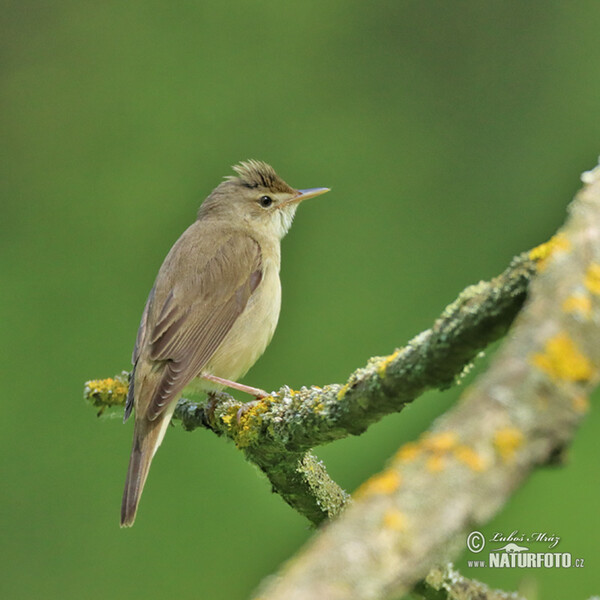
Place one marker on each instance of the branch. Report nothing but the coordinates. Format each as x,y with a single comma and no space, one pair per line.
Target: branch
520,415
487,444
277,432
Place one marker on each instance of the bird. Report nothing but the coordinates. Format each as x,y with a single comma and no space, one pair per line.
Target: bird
212,310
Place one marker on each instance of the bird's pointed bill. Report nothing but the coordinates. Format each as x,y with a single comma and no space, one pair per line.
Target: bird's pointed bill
310,193
305,194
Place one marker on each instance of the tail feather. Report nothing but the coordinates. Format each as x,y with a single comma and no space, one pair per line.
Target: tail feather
147,437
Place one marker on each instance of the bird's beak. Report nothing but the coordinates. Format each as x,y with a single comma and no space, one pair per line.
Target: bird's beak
305,194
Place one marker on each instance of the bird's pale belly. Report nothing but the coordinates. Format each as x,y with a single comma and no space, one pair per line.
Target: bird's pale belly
249,336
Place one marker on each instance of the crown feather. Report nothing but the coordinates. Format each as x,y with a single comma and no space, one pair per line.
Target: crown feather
255,173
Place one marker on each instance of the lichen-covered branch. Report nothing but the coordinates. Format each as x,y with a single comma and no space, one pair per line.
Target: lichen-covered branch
298,477
487,444
277,433
520,414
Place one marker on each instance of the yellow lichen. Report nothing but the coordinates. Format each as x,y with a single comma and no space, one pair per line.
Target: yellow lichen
466,455
408,452
385,363
228,419
106,392
592,278
581,403
507,441
249,421
435,463
107,386
542,253
343,391
393,519
562,360
386,482
578,303
440,442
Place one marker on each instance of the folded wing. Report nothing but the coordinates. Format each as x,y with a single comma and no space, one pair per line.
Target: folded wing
186,319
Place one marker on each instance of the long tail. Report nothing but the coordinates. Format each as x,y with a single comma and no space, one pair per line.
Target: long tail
147,436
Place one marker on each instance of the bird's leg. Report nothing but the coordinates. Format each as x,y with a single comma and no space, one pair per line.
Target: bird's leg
256,392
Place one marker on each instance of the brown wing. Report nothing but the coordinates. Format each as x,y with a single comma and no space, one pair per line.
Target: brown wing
195,302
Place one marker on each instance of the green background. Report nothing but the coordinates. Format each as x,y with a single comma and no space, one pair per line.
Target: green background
452,134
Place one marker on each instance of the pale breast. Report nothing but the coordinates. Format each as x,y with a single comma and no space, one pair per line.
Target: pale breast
252,331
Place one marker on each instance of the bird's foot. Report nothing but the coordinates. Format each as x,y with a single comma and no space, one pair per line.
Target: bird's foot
252,391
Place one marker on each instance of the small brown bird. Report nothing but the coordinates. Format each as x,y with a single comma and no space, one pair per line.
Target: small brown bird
213,308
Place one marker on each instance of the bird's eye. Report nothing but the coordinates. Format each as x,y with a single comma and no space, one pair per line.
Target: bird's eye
265,201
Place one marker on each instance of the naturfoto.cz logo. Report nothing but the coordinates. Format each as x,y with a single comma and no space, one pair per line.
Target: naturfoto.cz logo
515,554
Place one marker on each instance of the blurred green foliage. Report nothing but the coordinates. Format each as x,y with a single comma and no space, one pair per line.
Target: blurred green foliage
452,135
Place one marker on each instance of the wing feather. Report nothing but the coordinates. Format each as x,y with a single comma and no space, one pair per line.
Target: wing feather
198,309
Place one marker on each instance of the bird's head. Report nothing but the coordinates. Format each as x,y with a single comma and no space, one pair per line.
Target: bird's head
256,198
